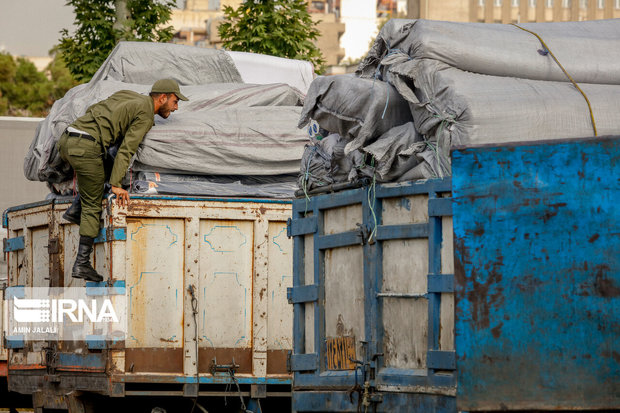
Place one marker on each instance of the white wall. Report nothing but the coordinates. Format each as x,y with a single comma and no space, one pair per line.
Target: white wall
360,19
16,134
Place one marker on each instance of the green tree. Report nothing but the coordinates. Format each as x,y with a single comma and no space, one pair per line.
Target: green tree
101,24
25,91
59,74
281,28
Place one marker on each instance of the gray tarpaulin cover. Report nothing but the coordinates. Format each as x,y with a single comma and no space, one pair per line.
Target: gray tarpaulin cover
227,127
589,51
277,186
469,84
465,108
357,109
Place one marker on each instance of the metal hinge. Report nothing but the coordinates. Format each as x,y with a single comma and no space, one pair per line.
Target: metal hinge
289,368
288,227
53,246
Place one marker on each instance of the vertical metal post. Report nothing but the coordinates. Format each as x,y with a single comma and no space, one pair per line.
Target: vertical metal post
434,267
319,279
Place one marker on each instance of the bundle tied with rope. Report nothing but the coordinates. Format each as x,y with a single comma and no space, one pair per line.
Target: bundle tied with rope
428,86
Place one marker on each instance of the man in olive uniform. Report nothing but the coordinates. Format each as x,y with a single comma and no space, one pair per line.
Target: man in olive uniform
121,120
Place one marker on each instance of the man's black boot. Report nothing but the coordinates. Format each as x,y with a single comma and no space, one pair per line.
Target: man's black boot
82,267
74,212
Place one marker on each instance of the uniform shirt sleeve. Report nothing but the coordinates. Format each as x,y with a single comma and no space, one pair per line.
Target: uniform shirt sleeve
141,124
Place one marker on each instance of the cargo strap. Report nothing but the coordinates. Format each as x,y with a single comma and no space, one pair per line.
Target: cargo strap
547,50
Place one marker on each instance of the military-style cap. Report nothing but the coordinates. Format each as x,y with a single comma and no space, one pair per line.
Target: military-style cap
168,86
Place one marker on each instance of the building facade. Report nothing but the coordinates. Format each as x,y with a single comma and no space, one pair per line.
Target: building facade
513,11
197,25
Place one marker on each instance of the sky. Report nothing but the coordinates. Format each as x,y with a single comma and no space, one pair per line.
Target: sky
32,27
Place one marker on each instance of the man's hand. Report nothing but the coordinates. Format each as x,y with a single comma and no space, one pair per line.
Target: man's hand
122,196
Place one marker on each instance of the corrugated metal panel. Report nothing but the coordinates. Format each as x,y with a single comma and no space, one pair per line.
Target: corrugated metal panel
538,276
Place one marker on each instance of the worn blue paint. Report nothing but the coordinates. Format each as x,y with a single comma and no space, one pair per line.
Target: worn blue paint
302,226
538,275
438,207
280,234
175,236
17,291
74,361
339,401
338,240
224,378
103,288
15,341
441,283
96,342
5,214
116,234
13,244
302,294
408,231
310,373
244,238
191,198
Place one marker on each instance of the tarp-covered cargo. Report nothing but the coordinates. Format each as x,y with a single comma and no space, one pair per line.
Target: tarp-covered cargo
227,128
589,51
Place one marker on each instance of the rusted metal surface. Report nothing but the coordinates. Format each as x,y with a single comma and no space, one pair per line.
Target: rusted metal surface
154,360
277,362
233,253
225,356
538,276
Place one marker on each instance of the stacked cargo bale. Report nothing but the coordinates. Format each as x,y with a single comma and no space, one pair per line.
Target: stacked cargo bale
232,138
474,83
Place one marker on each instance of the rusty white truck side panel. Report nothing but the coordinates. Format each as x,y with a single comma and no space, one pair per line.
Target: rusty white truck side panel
234,256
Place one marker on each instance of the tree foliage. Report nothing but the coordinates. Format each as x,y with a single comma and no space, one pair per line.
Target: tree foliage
25,91
281,28
96,34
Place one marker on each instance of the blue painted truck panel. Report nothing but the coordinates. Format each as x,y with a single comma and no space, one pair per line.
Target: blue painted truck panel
536,279
537,267
319,389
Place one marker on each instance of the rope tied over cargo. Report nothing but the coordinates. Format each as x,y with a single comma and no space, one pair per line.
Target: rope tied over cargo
372,197
444,121
547,50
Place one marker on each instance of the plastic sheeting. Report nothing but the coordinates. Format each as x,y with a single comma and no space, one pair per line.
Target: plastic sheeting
236,141
462,108
278,186
245,128
359,110
144,63
325,163
589,51
43,162
263,69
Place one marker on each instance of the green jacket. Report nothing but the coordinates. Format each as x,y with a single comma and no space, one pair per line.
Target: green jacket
125,117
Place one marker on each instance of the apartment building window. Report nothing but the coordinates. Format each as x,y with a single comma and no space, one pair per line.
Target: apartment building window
498,3
617,4
549,4
601,4
515,3
566,4
532,3
481,3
